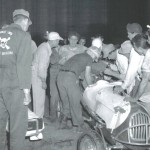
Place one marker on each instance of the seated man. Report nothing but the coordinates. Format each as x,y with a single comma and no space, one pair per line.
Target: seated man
68,84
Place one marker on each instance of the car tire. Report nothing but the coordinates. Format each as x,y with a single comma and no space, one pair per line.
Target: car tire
90,141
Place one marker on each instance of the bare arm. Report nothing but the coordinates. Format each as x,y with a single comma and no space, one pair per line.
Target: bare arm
143,84
115,74
88,76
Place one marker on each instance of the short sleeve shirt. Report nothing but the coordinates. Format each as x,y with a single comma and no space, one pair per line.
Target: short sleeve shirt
78,63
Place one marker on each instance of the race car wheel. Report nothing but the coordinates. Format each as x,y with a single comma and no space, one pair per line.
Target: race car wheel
90,141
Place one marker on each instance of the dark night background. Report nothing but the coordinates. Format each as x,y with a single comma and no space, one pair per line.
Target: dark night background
88,17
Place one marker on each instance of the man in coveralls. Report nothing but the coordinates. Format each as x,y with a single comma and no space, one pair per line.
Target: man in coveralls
68,84
15,76
39,71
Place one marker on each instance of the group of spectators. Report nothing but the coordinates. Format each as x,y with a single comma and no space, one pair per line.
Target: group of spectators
71,68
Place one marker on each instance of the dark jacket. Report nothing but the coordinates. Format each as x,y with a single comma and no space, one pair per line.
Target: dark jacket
15,57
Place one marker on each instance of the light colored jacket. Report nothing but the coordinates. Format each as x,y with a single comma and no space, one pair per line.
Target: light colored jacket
41,60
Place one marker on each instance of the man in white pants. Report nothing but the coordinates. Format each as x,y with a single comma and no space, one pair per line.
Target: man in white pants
39,72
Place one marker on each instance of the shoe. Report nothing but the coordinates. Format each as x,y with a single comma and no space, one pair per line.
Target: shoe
64,124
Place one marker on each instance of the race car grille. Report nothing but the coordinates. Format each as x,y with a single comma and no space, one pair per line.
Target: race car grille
139,127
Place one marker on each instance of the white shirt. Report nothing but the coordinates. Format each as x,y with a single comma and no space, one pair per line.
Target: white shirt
134,68
122,63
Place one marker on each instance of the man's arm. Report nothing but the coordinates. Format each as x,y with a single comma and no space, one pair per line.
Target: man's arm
134,65
141,89
143,84
88,76
115,74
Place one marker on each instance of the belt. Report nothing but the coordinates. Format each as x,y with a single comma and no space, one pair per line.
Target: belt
64,70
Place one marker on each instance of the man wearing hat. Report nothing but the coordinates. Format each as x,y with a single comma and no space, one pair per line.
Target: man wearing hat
135,62
15,76
39,71
68,84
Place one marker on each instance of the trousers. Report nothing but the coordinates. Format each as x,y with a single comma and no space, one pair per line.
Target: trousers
39,95
70,96
54,95
13,110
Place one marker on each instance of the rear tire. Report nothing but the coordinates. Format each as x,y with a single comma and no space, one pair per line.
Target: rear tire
90,141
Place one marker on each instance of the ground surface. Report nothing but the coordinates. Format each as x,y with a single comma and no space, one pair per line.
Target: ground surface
54,138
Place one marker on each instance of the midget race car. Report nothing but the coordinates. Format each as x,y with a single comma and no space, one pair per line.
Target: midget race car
115,123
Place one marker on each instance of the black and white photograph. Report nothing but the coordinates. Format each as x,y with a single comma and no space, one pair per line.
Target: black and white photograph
74,74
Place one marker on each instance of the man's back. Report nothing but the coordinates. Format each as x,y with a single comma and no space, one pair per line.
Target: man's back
78,63
15,53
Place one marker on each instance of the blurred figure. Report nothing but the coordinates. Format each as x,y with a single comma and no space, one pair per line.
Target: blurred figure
67,51
82,41
39,71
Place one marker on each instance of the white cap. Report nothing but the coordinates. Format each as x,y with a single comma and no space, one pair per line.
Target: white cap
97,42
54,36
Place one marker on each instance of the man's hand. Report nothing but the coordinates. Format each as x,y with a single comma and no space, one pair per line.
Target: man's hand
44,85
27,98
108,71
130,99
118,89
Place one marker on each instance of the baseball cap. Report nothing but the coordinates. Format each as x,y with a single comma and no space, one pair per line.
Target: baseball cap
97,42
22,12
54,36
126,47
134,28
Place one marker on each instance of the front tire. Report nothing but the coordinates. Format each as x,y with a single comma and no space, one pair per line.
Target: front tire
90,141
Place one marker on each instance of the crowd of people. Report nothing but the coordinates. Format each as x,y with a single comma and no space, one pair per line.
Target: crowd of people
71,68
